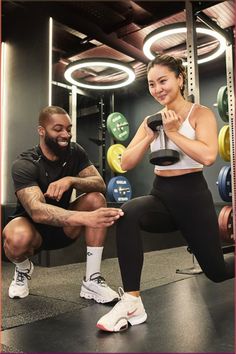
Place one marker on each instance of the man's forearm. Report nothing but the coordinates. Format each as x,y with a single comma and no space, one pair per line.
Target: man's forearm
88,184
52,215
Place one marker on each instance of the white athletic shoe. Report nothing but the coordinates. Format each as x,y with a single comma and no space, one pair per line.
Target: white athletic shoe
19,285
129,309
97,289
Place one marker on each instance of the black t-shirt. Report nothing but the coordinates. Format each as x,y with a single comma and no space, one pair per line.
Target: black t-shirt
32,168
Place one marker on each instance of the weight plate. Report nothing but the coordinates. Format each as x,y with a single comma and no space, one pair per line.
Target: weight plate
118,126
119,189
164,157
225,184
224,143
225,221
114,154
222,103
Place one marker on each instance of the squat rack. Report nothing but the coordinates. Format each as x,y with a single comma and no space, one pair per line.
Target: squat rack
194,93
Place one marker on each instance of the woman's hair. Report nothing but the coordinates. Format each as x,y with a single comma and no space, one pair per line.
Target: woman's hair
174,64
45,114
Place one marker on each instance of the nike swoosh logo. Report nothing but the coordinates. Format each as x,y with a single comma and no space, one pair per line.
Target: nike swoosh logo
129,313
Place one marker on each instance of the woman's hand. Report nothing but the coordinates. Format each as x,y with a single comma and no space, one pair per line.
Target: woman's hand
149,132
171,122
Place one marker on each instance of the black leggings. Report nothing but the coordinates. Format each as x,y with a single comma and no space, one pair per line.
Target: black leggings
175,203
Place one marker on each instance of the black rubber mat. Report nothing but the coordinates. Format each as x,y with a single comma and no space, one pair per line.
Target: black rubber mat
192,315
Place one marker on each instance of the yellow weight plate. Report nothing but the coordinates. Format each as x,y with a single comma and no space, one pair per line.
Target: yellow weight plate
224,143
114,154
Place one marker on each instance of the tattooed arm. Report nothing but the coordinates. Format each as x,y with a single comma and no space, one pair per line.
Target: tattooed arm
88,180
34,203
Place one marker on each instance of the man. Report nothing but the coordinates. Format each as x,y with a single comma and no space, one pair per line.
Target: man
44,178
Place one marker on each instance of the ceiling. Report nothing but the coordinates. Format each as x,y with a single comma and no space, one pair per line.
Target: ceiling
117,29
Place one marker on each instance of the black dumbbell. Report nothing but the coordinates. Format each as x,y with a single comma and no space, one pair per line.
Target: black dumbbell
162,157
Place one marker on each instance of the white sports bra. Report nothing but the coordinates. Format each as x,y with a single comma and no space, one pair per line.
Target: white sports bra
185,162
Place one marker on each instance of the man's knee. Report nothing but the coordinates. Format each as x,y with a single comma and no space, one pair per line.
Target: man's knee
95,200
17,240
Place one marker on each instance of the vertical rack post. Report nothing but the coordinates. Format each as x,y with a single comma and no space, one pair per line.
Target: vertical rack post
193,93
73,115
102,137
192,68
232,122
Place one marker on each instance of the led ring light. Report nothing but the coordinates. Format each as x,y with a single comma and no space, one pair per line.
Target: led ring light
168,30
111,63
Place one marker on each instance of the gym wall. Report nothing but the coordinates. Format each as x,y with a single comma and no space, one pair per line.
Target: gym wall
27,92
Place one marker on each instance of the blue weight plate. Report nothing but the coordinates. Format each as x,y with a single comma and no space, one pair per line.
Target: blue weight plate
224,184
119,189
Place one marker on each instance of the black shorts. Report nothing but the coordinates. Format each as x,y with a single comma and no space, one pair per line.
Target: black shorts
53,237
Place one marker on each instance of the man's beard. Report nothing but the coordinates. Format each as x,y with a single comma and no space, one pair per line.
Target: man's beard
59,151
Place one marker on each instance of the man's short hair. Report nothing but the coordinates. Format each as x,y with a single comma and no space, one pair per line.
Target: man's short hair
46,112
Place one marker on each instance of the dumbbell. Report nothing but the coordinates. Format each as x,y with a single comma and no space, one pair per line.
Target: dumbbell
162,157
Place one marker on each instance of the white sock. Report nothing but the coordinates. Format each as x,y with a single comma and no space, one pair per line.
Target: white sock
23,265
94,258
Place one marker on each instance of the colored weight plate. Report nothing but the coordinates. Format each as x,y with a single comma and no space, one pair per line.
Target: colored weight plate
114,154
222,103
118,126
119,189
224,143
225,184
225,221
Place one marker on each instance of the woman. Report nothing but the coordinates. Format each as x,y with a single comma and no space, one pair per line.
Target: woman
180,198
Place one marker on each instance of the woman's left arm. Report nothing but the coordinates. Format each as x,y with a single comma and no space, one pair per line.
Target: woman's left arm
204,148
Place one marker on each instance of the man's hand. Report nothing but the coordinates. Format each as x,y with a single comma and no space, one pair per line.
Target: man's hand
56,189
102,217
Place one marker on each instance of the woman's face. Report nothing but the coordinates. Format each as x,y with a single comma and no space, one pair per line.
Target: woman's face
163,84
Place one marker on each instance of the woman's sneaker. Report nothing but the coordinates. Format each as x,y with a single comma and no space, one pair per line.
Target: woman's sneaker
129,310
97,289
19,285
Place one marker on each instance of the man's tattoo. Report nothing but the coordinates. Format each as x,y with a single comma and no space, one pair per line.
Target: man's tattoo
35,204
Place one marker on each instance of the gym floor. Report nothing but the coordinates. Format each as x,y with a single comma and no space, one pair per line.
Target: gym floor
185,313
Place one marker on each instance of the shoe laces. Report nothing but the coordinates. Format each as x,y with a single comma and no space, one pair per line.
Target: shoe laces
98,279
21,276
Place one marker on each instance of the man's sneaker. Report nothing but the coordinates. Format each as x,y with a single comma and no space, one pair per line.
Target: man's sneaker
96,288
19,285
129,309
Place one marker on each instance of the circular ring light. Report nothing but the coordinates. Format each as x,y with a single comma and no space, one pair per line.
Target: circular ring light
111,63
178,28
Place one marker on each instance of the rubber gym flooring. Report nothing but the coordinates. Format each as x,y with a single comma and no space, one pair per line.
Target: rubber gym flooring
185,313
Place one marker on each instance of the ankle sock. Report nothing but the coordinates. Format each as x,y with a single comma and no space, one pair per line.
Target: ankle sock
23,265
94,258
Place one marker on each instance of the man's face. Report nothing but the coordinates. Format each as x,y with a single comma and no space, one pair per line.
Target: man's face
57,134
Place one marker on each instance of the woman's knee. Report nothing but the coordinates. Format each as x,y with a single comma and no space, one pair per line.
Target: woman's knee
133,206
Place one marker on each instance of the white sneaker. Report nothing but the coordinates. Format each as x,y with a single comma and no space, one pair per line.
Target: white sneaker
96,288
129,309
19,285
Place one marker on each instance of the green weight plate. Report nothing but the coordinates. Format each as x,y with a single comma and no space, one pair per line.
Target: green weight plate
222,103
118,126
114,154
224,143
